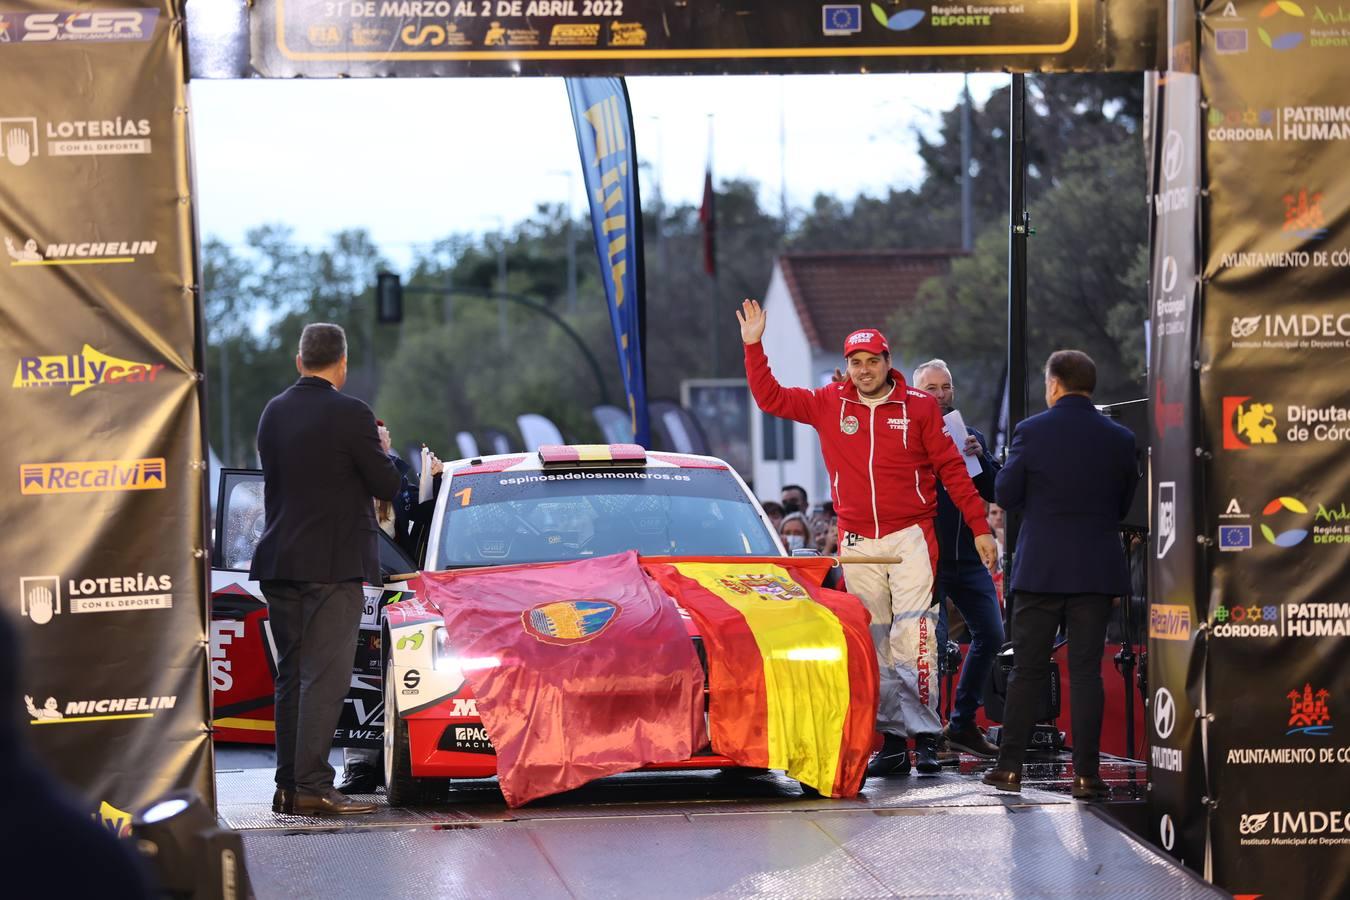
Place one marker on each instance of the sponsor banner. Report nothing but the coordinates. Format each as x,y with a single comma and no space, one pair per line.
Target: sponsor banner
1176,768
1277,421
603,120
613,37
101,355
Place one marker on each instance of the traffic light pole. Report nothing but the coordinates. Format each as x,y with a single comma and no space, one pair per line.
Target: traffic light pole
532,305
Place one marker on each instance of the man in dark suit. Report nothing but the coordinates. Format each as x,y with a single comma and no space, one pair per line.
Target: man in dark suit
322,468
1071,472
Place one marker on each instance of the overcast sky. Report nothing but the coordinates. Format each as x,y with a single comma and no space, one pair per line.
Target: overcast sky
413,160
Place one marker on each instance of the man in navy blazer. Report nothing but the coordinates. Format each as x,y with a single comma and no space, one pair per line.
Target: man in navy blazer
1071,472
322,468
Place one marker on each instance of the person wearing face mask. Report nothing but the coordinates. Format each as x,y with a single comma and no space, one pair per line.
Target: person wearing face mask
884,449
795,499
796,532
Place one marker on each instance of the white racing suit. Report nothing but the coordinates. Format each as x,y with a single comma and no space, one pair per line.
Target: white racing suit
904,623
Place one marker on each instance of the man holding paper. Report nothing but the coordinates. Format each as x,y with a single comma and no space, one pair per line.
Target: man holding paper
883,442
961,576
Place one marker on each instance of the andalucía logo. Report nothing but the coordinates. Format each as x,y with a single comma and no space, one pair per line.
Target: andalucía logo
903,20
564,622
1247,423
82,371
94,475
101,710
1280,40
1279,507
1308,713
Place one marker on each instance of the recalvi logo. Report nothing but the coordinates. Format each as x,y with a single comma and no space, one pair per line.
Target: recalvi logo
82,371
94,475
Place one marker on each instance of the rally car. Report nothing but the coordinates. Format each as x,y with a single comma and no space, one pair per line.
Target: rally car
561,503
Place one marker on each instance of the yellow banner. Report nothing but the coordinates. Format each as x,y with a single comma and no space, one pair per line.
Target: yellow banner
805,659
93,475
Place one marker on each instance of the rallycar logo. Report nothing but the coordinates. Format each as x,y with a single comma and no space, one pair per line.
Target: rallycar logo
94,475
82,371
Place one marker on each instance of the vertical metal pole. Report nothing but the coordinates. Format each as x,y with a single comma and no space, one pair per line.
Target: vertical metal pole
503,338
1018,222
967,212
225,442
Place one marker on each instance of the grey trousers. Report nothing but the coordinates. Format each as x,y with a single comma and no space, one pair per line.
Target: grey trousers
315,628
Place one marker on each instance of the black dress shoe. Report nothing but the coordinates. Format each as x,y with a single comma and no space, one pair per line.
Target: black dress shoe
1004,780
360,779
1090,787
329,803
926,760
969,739
891,759
283,801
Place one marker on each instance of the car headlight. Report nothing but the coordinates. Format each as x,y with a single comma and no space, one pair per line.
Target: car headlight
442,657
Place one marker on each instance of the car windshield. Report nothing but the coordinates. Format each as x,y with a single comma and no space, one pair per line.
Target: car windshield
515,517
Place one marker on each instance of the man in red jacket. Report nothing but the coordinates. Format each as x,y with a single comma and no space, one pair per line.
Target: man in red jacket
882,442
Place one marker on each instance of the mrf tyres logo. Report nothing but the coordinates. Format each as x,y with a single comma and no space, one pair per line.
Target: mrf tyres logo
103,709
82,371
92,476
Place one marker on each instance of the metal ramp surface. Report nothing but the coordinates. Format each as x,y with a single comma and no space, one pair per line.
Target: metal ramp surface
707,835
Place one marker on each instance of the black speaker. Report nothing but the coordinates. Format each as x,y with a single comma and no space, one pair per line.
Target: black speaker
1133,414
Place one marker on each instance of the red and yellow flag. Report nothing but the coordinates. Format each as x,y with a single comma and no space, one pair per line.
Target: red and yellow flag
580,669
792,672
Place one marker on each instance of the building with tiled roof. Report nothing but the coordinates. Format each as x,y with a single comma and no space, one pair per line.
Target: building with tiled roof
814,301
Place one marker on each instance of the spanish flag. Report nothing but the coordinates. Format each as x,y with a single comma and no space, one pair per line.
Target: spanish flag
792,672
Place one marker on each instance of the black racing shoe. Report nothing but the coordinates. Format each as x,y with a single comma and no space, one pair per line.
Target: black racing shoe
926,755
360,778
891,759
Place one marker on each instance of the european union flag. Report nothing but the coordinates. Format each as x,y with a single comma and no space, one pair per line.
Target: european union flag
1235,537
841,19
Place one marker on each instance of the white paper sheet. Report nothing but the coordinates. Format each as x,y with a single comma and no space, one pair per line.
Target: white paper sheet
956,427
425,480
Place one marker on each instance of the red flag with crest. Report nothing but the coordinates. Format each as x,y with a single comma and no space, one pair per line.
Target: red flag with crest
580,669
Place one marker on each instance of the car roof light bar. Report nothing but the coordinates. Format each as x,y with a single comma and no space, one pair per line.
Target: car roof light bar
560,454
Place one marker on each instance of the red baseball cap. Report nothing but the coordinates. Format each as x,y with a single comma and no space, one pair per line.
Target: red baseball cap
868,339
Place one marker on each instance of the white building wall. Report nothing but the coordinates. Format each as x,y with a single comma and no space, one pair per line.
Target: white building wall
794,365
